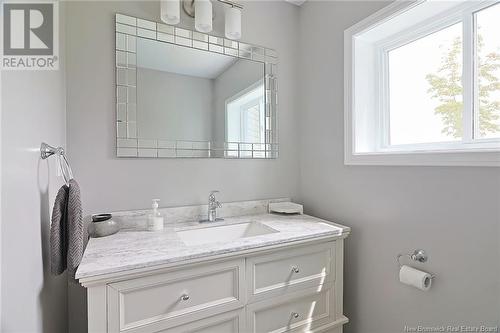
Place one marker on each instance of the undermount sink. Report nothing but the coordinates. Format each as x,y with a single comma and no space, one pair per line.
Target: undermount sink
224,233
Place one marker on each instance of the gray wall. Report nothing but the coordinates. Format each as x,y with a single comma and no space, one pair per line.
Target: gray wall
109,183
91,133
32,111
452,212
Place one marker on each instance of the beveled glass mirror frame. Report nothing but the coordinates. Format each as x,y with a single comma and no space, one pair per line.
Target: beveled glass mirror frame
128,144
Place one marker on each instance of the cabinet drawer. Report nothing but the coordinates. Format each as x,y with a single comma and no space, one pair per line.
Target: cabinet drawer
160,301
230,322
290,270
297,312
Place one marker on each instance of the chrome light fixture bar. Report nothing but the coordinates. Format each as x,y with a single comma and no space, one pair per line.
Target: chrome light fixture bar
188,6
231,3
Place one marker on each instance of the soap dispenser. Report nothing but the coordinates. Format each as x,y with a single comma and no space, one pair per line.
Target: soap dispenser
155,220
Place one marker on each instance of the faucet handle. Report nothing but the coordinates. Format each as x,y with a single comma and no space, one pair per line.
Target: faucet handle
211,196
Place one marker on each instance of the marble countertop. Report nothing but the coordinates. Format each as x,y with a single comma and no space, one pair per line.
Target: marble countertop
136,249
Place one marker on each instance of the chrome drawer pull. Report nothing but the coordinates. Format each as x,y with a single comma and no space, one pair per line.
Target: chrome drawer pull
184,297
295,269
295,315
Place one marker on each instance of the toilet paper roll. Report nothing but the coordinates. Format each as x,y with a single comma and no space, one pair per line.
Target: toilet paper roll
415,278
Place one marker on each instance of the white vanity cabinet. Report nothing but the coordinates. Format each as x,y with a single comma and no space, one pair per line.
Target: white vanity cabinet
152,303
290,288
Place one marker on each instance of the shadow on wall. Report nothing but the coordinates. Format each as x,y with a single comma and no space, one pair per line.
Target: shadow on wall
78,308
51,287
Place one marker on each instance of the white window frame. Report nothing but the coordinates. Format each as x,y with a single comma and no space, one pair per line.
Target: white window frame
244,120
234,146
477,152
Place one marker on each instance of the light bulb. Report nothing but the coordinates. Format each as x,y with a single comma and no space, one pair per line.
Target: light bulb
203,15
233,23
170,11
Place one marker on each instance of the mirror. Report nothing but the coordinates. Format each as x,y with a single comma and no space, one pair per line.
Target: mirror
186,94
194,95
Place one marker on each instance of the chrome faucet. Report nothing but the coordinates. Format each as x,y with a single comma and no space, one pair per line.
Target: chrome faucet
213,204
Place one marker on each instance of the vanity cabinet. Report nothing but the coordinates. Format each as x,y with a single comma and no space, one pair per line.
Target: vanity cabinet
290,288
299,312
229,322
150,303
282,272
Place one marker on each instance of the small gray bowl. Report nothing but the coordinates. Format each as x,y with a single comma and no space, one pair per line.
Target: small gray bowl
102,225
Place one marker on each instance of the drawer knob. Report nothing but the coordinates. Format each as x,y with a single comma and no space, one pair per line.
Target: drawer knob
295,269
295,315
184,297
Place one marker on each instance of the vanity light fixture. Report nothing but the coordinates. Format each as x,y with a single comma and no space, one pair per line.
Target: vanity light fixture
170,11
203,14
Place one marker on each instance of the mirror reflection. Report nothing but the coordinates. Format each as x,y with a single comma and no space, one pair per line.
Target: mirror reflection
188,94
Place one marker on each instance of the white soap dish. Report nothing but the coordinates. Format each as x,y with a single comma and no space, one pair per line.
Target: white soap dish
286,208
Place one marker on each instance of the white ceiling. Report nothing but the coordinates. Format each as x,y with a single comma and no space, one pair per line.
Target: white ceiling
181,60
296,2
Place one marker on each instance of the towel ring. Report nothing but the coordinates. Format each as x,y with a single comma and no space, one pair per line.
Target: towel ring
47,150
66,171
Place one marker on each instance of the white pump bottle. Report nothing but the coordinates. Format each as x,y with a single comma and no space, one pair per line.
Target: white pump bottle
155,220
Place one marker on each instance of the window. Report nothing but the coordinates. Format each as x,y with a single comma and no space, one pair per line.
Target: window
245,120
419,108
487,47
422,85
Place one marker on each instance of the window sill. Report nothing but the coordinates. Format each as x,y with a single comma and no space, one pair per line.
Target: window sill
425,158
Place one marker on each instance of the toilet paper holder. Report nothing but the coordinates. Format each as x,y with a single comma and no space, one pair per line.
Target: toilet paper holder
417,255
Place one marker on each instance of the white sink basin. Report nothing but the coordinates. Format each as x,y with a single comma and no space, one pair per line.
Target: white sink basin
224,233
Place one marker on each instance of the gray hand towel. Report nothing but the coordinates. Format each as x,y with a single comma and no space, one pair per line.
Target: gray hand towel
77,234
58,233
68,233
